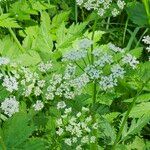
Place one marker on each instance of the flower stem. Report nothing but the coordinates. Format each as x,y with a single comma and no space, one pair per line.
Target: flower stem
126,118
2,144
76,12
92,38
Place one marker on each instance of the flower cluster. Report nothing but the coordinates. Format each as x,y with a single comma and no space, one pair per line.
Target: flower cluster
10,83
4,61
103,6
77,128
38,105
104,57
44,67
10,106
146,40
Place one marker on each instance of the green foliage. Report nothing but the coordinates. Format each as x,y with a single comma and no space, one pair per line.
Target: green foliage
16,131
7,22
137,13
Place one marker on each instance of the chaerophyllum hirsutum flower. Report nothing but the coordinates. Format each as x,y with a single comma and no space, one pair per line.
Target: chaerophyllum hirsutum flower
102,7
146,40
76,129
108,66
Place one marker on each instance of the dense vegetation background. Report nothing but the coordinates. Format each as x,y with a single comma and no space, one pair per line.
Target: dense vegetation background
74,75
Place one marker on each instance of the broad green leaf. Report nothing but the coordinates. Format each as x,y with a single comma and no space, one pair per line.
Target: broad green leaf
137,13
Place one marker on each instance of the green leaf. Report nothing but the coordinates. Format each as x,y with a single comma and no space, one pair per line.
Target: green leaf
7,22
32,144
141,98
137,13
135,127
60,18
43,41
65,36
16,130
140,109
28,59
138,144
137,52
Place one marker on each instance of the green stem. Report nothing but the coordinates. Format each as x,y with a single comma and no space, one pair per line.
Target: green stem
92,38
146,30
76,12
2,144
125,30
126,117
16,40
108,23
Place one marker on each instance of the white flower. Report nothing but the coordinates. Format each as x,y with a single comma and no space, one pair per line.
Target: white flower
74,140
80,81
131,60
84,109
93,72
92,139
79,147
79,114
70,71
68,141
115,48
10,106
107,82
148,48
60,131
37,91
79,2
84,43
85,139
115,12
97,52
59,122
44,67
4,61
104,60
95,126
41,83
38,105
49,96
121,4
69,128
146,39
68,110
101,12
117,71
61,105
88,119
10,83
75,55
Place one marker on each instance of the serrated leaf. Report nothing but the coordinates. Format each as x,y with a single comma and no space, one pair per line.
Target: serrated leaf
136,126
16,130
28,59
137,13
140,109
7,22
141,98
